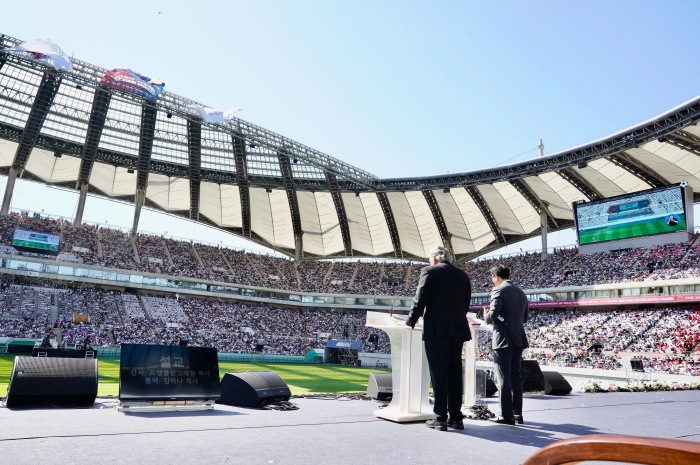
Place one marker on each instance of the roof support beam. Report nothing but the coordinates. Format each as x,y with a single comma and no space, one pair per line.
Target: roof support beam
391,223
487,214
638,169
575,179
194,149
48,88
685,141
538,204
239,154
340,211
286,170
96,123
439,220
143,165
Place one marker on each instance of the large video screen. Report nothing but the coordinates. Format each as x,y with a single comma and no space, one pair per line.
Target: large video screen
35,242
150,372
647,213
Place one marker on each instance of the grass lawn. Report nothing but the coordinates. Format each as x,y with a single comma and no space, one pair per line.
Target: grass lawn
301,379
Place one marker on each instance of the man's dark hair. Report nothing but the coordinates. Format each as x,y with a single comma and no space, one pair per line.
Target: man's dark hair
501,271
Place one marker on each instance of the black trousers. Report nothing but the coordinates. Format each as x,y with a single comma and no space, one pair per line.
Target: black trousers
445,363
510,382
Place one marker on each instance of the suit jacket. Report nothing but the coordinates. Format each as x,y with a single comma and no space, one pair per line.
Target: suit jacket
508,314
442,298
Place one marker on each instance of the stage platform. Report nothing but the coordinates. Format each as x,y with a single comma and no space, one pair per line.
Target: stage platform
329,431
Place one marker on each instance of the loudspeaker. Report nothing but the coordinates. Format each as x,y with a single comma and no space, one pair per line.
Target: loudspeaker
379,386
533,379
557,384
252,389
637,365
47,381
485,383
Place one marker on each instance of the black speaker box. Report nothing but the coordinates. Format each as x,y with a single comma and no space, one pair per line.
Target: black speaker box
252,389
379,386
533,379
485,383
558,385
637,365
50,381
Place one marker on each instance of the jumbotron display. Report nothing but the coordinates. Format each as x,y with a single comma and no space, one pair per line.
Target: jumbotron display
647,213
35,242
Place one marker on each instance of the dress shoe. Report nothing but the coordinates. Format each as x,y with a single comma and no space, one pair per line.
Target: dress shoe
505,421
436,424
455,424
518,419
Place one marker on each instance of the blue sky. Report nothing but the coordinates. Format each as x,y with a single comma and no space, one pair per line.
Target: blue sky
397,88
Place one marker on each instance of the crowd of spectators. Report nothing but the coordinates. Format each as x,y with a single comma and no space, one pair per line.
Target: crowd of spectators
667,339
571,338
113,248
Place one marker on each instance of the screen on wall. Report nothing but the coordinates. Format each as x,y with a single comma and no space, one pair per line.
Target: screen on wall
35,242
646,213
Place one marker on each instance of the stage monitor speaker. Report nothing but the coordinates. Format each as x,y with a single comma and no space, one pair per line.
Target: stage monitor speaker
637,365
252,389
484,383
557,384
52,381
533,379
379,386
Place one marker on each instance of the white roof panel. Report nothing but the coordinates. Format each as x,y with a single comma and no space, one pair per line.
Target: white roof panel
557,192
463,220
513,213
271,218
169,193
610,179
221,203
369,233
113,181
319,221
52,169
671,162
415,224
7,152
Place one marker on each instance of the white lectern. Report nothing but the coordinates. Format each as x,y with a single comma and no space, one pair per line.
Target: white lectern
469,378
410,378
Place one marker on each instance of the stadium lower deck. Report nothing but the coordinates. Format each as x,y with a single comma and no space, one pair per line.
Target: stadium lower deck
334,430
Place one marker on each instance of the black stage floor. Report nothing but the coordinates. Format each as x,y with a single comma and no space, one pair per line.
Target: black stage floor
334,431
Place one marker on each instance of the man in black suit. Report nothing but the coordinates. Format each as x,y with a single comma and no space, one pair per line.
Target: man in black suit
508,313
442,298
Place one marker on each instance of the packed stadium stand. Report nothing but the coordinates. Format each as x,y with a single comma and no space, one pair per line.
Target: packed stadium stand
112,248
667,337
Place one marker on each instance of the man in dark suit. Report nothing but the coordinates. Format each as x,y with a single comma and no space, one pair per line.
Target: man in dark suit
442,298
508,313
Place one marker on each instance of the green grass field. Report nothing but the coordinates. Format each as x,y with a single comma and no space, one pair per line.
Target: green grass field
628,231
301,379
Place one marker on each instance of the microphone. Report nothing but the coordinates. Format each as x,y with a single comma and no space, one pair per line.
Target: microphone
391,310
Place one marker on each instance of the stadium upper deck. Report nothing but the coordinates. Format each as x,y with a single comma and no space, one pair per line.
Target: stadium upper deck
72,128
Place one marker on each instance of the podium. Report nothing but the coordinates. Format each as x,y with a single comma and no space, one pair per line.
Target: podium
410,377
469,376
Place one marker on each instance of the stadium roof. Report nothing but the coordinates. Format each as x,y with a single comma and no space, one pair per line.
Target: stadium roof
68,128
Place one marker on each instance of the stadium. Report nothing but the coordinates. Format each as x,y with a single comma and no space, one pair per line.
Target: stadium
619,310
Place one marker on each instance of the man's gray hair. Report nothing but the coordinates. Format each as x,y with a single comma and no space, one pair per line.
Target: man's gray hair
441,254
